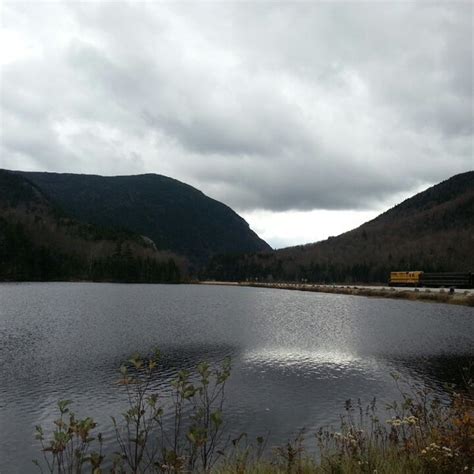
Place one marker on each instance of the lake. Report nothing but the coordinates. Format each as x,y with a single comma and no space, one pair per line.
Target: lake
296,356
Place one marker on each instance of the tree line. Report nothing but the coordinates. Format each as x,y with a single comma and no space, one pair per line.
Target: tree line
22,259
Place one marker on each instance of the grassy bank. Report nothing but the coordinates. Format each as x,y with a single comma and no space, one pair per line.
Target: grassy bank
418,434
459,297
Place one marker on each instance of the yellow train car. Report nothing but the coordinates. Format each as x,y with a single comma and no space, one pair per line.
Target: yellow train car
406,278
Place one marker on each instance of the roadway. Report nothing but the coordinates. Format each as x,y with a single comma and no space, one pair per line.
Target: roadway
308,286
467,291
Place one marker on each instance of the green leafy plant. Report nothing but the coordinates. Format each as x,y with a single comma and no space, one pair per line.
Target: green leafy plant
419,433
192,441
68,449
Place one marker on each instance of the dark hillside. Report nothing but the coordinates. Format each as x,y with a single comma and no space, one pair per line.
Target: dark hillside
432,231
38,241
15,190
174,215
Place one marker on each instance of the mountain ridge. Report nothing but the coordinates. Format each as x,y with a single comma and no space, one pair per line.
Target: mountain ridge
432,230
175,215
40,242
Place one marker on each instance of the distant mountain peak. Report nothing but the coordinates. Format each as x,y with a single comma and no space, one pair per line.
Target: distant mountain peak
175,215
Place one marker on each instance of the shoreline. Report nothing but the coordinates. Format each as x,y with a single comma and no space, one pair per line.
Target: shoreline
461,297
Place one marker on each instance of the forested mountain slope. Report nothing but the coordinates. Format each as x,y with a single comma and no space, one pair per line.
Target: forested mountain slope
174,215
38,241
432,231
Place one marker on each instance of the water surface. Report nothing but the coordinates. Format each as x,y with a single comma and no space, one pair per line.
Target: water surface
297,356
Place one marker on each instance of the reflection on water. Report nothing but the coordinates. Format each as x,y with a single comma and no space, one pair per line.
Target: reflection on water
296,356
306,362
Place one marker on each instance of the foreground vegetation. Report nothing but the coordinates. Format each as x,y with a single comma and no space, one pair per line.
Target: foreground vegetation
419,434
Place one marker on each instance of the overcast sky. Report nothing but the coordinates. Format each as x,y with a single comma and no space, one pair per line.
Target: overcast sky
306,118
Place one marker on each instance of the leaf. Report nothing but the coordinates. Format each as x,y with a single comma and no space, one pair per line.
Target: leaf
63,404
189,393
216,418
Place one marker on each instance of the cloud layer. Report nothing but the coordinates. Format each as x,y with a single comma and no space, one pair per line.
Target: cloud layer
275,107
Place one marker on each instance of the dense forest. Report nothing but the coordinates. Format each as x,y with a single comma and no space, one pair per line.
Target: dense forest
176,216
432,231
121,229
39,242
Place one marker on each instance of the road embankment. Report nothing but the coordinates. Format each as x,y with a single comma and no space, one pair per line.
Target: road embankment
433,295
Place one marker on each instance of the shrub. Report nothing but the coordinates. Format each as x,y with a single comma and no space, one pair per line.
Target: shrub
418,434
143,442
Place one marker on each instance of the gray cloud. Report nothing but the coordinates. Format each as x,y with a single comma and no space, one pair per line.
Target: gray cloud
263,106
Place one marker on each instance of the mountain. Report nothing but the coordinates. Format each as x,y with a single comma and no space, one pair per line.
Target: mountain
431,231
39,241
176,216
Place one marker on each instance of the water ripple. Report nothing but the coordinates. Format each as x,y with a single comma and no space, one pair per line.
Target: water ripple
296,356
